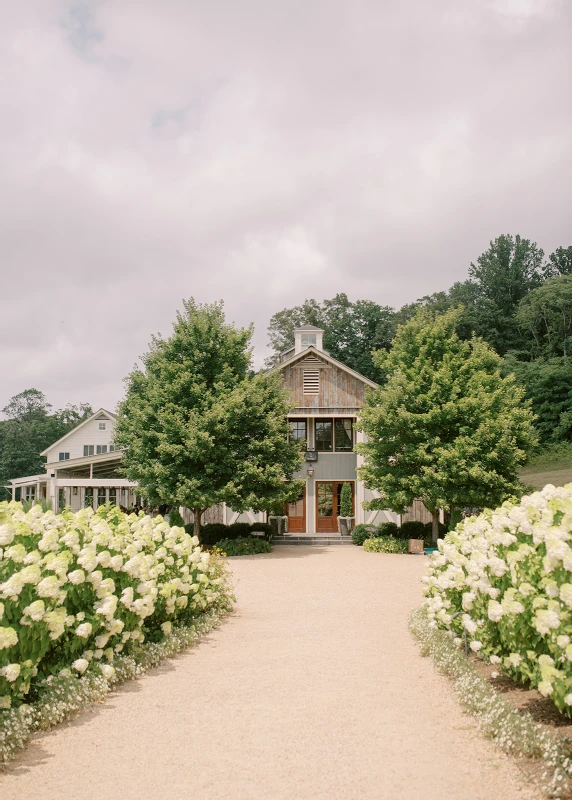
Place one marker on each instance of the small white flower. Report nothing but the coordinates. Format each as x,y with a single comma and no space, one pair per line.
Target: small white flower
166,628
5,701
475,646
568,699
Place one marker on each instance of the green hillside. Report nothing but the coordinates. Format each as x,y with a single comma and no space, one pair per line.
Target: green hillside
552,465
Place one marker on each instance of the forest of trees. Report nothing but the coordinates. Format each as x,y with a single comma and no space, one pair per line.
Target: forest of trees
515,298
31,426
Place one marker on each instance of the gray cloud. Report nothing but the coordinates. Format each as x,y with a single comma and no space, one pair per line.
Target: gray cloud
261,153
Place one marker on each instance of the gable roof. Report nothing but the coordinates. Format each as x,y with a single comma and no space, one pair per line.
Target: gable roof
321,354
99,414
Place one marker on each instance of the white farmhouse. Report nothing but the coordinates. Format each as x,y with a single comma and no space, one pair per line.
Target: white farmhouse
82,469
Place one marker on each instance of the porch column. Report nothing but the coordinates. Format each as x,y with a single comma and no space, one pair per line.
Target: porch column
360,489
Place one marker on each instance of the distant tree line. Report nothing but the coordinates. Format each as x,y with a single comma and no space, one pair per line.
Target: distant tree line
516,299
31,426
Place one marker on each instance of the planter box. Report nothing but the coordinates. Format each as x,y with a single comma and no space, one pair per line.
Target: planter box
279,525
346,525
415,546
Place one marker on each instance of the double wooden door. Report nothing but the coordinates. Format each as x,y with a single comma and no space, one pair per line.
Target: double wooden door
328,505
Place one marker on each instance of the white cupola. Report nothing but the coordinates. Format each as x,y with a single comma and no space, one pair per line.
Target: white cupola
308,336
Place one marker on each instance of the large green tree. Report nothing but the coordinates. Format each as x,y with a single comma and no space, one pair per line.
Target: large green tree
446,427
504,274
31,426
546,314
198,429
548,385
352,330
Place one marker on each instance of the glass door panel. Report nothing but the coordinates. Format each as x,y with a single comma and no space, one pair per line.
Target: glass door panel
296,513
326,512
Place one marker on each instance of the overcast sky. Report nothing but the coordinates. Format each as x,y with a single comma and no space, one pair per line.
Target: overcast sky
260,152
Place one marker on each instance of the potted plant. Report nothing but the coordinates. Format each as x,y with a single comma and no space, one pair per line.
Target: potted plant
278,520
346,517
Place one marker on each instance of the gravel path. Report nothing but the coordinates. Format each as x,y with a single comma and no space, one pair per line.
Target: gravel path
312,689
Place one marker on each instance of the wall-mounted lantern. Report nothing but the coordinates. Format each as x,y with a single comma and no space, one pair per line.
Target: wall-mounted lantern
310,471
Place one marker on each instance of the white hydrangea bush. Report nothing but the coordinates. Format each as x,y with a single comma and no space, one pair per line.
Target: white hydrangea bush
80,590
504,580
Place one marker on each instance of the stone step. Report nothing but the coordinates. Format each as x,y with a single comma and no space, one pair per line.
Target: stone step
311,541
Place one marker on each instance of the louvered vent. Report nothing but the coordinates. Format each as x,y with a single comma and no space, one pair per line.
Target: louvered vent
312,361
311,381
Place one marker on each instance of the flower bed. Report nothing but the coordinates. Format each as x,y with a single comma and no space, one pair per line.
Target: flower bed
80,591
513,731
504,579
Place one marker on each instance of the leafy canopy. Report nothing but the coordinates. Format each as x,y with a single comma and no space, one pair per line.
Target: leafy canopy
546,313
446,428
352,330
197,429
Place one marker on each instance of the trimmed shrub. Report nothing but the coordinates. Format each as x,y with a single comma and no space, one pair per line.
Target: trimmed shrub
346,504
388,529
362,532
175,519
262,527
412,530
429,530
244,546
212,532
237,529
385,544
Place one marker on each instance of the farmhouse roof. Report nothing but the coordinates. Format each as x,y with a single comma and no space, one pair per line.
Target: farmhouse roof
101,413
321,354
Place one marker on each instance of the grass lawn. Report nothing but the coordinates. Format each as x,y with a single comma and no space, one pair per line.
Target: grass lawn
552,465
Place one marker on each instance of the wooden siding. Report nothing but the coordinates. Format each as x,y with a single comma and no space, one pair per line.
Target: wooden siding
339,392
332,467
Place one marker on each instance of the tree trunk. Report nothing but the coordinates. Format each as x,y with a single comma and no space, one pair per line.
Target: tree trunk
435,528
197,515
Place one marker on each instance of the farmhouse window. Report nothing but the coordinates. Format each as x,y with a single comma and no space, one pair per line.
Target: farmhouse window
102,426
344,436
88,449
311,381
324,435
63,456
298,431
101,448
101,499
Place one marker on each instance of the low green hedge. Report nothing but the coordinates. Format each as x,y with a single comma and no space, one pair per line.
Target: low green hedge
362,532
385,544
244,546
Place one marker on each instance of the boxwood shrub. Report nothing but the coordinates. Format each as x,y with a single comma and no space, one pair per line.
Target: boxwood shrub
262,527
388,529
362,532
412,530
244,546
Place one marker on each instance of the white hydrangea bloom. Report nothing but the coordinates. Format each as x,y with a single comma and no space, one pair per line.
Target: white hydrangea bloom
11,672
8,637
81,664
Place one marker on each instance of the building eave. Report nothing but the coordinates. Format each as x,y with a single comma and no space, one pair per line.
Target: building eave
326,357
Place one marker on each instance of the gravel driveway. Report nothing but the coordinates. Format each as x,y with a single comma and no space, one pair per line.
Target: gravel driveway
312,689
